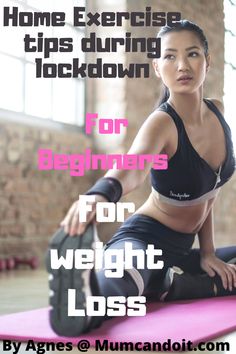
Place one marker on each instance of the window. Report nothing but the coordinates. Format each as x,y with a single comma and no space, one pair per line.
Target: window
230,65
60,100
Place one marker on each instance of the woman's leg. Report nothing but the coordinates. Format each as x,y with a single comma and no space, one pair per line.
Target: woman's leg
87,282
192,282
135,281
143,230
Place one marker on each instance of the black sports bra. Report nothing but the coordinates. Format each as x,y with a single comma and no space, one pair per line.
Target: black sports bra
189,179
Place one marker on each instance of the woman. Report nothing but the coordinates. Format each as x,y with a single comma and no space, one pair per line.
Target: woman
180,204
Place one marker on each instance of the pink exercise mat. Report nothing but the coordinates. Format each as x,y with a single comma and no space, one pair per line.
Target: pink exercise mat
194,320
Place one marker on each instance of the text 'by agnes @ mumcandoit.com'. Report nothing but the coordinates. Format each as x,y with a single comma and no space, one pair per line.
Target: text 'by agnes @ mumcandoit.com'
101,345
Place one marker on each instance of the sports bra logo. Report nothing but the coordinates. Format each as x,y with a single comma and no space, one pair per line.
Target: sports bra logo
179,196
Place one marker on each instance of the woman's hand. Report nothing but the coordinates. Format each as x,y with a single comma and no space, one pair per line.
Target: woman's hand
213,265
71,223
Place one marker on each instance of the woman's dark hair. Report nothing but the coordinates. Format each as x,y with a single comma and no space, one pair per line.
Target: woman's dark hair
183,25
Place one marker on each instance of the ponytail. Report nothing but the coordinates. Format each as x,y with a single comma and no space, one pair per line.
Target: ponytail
164,96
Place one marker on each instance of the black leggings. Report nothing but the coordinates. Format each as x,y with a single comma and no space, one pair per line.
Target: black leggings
142,230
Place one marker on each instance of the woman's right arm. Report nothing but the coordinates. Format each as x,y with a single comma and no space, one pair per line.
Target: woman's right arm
152,139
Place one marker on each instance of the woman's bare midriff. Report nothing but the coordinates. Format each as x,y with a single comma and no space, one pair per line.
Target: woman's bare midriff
183,219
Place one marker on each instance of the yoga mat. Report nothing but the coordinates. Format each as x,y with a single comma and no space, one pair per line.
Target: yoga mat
195,320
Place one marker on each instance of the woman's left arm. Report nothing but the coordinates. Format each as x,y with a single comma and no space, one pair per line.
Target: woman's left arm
206,236
209,262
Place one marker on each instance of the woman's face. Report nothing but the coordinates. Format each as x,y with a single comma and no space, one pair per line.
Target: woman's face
183,64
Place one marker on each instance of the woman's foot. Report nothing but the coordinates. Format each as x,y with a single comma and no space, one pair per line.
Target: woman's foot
60,280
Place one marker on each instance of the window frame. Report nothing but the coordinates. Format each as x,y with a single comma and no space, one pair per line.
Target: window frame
49,122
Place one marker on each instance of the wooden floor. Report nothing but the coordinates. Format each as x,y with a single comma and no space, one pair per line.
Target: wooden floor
25,290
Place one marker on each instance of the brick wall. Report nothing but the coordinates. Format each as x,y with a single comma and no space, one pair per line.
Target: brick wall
225,211
32,201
